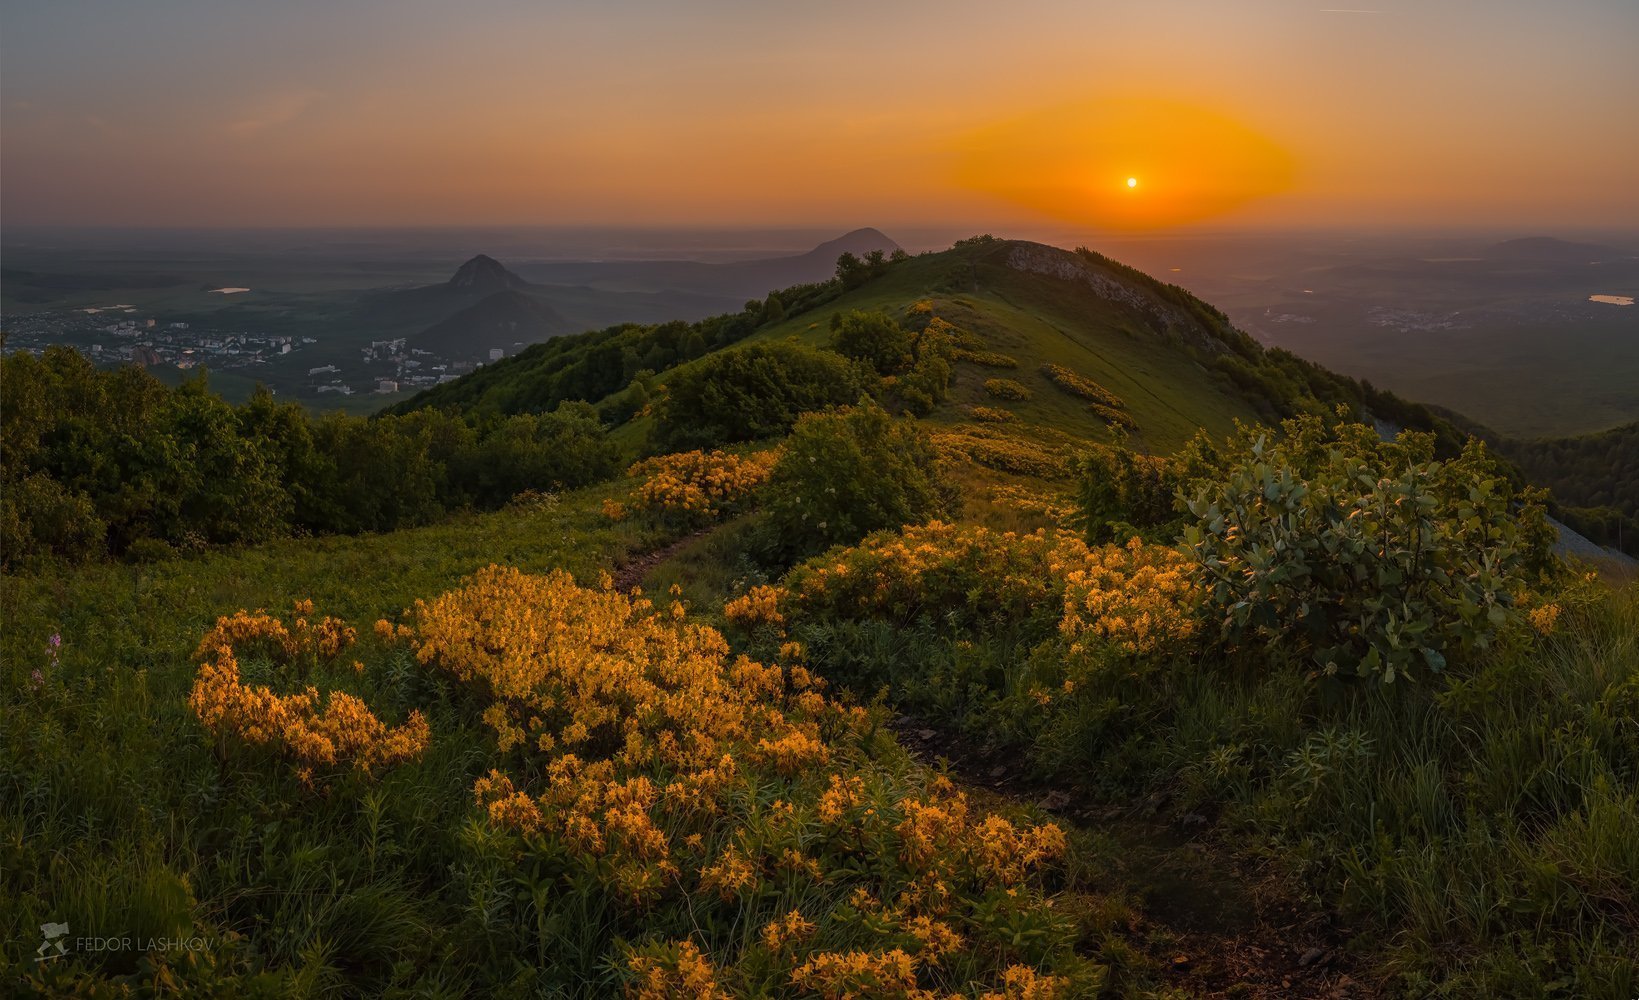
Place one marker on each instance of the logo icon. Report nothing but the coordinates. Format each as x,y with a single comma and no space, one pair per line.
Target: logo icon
55,937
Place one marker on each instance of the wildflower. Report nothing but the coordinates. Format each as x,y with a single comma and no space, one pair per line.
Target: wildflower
314,729
674,972
787,930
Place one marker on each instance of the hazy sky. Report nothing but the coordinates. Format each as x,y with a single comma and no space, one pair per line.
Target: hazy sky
1493,112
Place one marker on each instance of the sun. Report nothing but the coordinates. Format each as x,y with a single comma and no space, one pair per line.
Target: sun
1132,182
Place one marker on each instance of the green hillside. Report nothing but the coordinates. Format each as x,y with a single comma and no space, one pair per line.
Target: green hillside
927,651
1174,361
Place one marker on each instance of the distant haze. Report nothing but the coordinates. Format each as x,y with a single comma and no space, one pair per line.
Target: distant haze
1501,113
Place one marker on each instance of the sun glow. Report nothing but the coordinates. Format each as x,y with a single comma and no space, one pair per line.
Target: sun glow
1081,163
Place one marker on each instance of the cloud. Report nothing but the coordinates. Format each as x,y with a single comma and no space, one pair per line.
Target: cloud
273,111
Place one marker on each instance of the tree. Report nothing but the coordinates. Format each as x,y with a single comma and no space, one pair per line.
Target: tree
751,392
874,338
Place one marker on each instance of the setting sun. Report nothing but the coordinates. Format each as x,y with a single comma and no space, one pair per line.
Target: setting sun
1132,182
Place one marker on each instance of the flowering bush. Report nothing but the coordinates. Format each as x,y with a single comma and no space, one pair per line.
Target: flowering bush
995,449
1131,600
1006,388
329,730
1079,385
1141,599
698,790
1109,407
698,485
1054,508
964,574
992,415
986,359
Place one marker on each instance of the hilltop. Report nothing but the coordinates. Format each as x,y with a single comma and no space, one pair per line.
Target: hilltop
1177,363
484,275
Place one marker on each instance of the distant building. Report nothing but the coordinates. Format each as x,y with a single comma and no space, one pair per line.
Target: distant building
386,385
495,353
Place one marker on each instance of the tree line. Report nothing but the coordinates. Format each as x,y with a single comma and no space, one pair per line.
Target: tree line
96,462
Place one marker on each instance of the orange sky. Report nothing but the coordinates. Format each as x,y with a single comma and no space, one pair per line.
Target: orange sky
1247,114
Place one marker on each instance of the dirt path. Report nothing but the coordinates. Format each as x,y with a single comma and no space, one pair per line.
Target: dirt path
1216,925
631,573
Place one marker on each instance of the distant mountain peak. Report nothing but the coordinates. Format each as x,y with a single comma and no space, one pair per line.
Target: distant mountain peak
859,241
484,273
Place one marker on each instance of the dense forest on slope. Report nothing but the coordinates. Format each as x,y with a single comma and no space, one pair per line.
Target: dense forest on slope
95,461
1594,477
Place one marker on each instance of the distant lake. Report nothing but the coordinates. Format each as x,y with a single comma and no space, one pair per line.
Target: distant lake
228,291
1612,300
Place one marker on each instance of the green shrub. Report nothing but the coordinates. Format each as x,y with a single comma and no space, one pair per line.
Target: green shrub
1122,493
752,392
846,474
563,449
874,338
39,517
1369,557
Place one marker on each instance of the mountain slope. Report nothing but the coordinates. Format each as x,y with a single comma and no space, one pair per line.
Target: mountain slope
502,320
485,275
1175,363
418,308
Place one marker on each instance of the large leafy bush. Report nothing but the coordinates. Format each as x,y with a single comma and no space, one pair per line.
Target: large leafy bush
1368,556
752,392
848,473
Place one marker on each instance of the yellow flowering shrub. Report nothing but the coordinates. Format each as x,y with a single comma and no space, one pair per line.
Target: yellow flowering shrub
672,777
759,606
1027,501
329,730
672,973
859,974
964,574
699,484
1009,389
1142,599
787,930
1109,407
1024,983
986,359
995,449
992,415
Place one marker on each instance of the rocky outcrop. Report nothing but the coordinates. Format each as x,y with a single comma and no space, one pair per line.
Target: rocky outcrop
1163,317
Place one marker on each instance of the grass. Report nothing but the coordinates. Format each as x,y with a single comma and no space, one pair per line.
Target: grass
1036,320
1475,833
116,815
